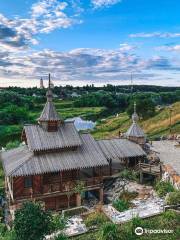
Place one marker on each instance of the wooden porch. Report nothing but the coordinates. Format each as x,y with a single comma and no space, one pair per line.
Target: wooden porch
151,169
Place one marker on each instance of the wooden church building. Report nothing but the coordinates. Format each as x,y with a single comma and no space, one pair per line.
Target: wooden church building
56,157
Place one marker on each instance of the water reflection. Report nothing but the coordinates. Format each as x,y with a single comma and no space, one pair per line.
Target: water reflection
81,124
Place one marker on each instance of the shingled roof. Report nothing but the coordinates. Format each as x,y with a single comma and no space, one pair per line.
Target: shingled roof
21,161
38,139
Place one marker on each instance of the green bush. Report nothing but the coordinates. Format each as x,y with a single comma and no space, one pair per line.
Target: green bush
162,188
95,219
59,222
129,175
12,144
109,231
121,205
173,198
169,215
32,222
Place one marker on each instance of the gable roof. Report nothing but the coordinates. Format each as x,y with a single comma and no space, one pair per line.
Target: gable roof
120,148
21,162
39,139
135,131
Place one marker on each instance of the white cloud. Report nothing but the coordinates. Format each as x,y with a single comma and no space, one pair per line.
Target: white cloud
125,47
171,48
85,65
155,35
45,16
104,3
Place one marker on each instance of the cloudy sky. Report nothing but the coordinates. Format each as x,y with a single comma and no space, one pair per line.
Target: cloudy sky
90,41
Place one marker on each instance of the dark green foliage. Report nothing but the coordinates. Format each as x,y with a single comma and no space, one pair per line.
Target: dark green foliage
101,98
109,231
121,205
162,188
145,107
32,222
14,115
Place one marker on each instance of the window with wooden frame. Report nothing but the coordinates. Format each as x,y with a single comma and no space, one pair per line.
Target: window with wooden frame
52,126
28,182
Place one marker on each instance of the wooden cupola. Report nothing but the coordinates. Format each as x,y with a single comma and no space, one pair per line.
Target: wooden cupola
50,119
135,132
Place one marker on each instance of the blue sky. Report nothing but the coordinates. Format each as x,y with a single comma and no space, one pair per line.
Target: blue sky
91,41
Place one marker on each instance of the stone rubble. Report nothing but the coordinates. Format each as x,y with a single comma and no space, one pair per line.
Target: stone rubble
144,192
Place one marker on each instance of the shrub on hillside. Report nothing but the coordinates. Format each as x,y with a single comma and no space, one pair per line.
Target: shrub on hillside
129,175
173,198
121,205
162,188
12,144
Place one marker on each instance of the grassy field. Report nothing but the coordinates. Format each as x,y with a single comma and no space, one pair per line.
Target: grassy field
67,110
153,127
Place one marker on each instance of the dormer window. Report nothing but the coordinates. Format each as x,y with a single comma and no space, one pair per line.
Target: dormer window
52,126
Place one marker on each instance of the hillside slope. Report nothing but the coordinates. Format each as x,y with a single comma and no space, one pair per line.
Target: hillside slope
153,127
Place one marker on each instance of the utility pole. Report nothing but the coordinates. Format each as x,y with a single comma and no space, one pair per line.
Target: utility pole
131,83
170,119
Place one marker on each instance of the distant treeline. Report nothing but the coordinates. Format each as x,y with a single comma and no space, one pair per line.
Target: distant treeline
68,89
15,103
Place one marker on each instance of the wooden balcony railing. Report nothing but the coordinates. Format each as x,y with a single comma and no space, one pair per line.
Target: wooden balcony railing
69,186
56,188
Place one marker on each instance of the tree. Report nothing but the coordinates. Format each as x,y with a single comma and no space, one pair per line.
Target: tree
109,231
173,198
145,107
69,192
13,115
32,222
